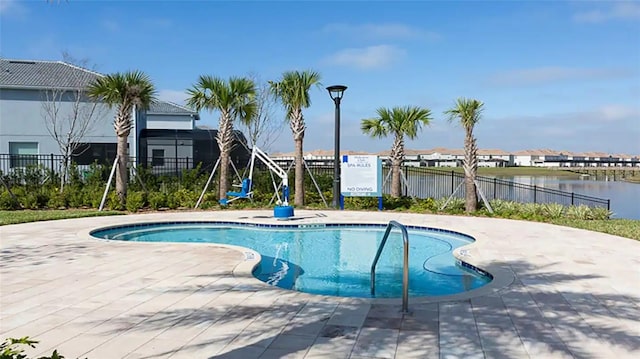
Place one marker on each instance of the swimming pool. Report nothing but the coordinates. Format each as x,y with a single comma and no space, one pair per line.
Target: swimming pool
329,259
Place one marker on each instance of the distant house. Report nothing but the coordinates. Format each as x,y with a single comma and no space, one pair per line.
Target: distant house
164,131
494,158
445,157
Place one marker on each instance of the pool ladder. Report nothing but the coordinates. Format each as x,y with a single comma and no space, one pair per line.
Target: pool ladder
405,270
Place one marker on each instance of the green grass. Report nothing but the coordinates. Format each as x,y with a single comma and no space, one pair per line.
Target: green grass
24,216
628,228
515,171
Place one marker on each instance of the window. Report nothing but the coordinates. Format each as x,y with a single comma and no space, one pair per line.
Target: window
87,153
23,154
157,157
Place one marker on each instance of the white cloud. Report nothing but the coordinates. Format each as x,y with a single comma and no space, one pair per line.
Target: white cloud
544,75
617,113
619,10
12,7
380,31
610,127
175,96
367,58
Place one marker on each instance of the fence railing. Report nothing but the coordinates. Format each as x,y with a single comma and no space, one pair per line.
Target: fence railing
421,182
433,183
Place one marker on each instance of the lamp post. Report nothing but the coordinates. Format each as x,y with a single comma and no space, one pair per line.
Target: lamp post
336,92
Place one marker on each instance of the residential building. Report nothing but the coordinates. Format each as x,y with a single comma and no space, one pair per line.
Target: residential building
165,130
444,157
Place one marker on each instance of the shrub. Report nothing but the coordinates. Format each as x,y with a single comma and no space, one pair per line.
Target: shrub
423,205
75,196
135,200
210,200
34,177
600,213
7,201
394,203
553,210
361,203
11,348
92,196
260,197
34,200
57,200
113,202
75,177
530,210
505,208
157,200
190,178
579,212
455,205
185,198
96,176
172,201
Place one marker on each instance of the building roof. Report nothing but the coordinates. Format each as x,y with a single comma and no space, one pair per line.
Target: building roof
169,108
492,152
43,74
35,74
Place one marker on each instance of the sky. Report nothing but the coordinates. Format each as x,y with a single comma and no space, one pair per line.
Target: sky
552,74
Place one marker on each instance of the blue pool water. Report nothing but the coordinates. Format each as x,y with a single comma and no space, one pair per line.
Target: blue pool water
329,259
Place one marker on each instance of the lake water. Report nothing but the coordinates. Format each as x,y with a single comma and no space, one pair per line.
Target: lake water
624,196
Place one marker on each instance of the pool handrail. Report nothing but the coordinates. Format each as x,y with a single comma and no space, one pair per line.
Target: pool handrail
405,270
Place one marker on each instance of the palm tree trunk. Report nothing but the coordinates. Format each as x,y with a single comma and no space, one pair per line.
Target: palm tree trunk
299,196
123,126
397,154
121,173
470,171
224,173
225,141
297,127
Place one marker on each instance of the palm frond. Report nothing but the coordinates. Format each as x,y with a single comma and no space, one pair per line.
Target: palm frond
467,111
119,88
233,97
293,89
374,127
400,121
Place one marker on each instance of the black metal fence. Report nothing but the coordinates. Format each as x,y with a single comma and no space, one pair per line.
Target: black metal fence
426,182
9,163
157,166
420,182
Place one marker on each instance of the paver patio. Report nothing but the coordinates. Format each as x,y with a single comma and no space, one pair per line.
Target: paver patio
563,293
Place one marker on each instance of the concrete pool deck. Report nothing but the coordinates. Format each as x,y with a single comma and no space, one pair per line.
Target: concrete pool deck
564,293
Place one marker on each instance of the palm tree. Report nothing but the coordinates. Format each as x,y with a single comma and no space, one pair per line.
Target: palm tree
234,99
401,122
293,91
128,91
468,112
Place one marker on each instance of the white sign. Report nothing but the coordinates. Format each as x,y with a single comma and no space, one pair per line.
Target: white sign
361,176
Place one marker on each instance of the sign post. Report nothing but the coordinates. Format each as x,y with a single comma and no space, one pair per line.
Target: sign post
361,177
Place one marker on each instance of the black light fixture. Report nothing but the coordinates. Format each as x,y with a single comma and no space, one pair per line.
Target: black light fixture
336,92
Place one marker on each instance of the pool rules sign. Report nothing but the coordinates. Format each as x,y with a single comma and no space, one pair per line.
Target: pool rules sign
361,176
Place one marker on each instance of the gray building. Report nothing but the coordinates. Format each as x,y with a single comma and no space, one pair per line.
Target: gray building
27,91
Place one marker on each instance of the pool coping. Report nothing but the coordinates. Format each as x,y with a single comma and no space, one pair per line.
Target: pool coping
572,296
501,277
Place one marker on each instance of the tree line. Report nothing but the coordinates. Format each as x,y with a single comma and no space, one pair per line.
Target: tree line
235,99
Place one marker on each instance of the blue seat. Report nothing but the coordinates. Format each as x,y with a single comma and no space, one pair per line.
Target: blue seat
245,191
